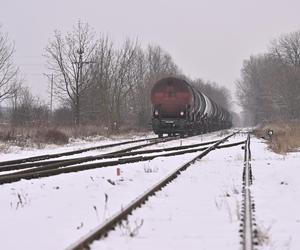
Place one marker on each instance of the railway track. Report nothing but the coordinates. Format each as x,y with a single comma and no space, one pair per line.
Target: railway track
79,151
68,165
109,224
119,153
36,161
248,230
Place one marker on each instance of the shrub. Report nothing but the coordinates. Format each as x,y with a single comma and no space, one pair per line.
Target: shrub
285,138
51,136
7,135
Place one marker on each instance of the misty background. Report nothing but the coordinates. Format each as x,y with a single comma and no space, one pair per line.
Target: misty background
206,39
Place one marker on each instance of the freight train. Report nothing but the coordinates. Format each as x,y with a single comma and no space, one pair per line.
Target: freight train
178,108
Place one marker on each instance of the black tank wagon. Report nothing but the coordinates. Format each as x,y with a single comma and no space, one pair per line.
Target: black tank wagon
178,108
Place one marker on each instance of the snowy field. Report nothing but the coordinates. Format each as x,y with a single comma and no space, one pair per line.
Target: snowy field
14,152
199,210
276,191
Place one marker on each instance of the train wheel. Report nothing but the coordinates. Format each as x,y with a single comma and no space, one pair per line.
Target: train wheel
181,135
160,135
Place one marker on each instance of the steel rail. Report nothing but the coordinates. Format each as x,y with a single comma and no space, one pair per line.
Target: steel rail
115,154
72,161
247,227
55,170
109,224
51,156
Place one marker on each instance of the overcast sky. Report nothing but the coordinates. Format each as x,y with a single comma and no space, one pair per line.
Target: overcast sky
207,39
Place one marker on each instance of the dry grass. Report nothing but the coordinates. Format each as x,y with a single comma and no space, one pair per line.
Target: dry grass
85,131
285,138
263,236
51,136
25,137
39,136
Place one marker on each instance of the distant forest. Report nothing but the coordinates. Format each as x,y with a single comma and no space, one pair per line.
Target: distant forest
95,81
269,87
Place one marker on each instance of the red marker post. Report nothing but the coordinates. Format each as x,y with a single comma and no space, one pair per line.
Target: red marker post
118,171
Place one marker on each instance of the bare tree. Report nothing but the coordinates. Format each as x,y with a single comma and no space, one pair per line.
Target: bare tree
67,56
27,109
249,87
122,85
8,72
122,80
97,107
157,64
268,89
287,48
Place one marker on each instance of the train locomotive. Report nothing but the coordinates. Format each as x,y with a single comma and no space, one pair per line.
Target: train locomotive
178,108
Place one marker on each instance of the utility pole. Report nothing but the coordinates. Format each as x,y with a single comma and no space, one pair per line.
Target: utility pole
78,83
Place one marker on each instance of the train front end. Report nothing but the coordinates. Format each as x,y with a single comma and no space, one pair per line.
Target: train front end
172,101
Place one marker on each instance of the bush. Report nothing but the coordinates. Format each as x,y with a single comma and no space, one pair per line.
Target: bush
285,138
7,135
53,136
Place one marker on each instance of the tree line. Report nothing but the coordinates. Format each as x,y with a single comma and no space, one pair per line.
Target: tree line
269,87
97,82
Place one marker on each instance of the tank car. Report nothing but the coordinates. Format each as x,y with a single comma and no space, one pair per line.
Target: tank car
178,108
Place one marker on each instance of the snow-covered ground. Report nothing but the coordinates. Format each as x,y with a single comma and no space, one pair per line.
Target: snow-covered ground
198,210
276,191
15,152
54,212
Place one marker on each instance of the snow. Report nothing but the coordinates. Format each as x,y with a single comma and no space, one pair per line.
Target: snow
200,208
276,192
15,152
54,212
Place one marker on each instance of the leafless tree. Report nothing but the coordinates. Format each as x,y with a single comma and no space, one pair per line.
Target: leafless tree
122,85
62,116
287,48
28,110
8,72
96,103
249,87
122,79
67,56
153,64
268,89
113,79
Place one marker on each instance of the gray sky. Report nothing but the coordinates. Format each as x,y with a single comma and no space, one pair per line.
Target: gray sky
207,39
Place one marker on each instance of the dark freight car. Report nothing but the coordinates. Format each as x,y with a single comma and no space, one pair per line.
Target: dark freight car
180,109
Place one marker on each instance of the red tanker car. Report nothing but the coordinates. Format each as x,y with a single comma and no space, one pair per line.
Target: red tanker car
178,108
